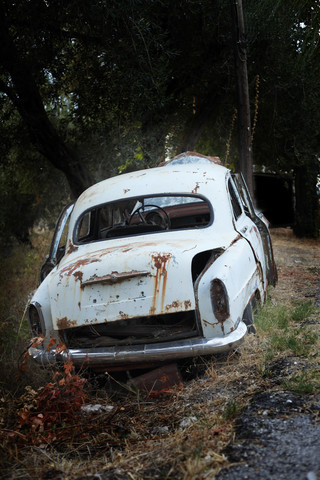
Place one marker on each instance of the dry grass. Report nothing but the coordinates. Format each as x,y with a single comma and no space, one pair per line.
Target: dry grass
20,276
179,435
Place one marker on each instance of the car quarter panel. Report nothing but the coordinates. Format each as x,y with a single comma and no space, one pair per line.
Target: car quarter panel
238,271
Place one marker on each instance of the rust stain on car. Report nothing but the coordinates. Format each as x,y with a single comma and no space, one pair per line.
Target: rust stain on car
213,324
187,304
126,190
238,237
71,248
78,275
176,305
70,269
64,322
260,272
196,188
160,263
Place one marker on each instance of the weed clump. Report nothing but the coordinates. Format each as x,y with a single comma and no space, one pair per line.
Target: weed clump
54,413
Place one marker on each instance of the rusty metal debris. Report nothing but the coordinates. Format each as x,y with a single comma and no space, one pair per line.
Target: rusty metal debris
159,380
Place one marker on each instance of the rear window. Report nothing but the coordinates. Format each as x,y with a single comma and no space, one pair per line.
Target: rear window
143,215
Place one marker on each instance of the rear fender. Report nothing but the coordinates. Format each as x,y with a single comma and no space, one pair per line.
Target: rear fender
238,272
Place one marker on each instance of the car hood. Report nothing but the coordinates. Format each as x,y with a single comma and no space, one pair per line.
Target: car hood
115,280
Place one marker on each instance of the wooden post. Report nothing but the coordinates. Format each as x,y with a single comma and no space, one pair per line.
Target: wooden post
244,123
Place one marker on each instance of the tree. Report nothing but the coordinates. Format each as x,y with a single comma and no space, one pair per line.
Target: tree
107,84
22,90
49,55
284,53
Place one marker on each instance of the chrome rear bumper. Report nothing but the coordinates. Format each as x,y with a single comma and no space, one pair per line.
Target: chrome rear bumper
141,354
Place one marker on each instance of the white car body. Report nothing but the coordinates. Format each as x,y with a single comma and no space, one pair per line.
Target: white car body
148,287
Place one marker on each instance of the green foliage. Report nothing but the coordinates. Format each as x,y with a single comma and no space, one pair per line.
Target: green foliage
289,94
26,195
270,318
124,82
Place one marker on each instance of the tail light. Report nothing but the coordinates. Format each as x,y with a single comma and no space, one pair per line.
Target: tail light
35,319
219,300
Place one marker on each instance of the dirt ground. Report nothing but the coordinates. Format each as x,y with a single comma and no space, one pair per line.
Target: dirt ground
278,433
298,263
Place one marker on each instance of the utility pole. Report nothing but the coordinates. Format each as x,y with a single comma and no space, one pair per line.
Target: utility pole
244,123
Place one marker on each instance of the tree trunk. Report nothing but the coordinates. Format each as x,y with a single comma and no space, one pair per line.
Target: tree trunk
244,123
25,96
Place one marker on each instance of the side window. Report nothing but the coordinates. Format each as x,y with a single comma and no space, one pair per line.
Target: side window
62,243
58,243
234,201
244,195
84,227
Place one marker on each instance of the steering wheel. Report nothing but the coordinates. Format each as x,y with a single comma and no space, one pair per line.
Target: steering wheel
152,217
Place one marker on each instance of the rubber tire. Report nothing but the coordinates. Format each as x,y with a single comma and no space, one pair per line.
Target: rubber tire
247,318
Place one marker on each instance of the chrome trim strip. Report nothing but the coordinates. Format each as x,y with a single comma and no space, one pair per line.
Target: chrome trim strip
115,277
160,352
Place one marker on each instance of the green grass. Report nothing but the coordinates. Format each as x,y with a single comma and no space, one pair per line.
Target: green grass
231,409
284,331
302,310
306,382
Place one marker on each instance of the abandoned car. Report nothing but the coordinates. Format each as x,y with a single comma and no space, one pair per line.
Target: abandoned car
157,265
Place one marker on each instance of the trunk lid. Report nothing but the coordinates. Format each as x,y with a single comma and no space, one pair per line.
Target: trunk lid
125,280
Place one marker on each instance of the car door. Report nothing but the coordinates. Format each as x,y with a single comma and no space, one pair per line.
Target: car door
260,222
247,228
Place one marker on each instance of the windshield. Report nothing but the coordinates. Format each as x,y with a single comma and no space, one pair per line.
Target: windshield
142,215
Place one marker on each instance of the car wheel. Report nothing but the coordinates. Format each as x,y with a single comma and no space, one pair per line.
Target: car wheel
247,318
